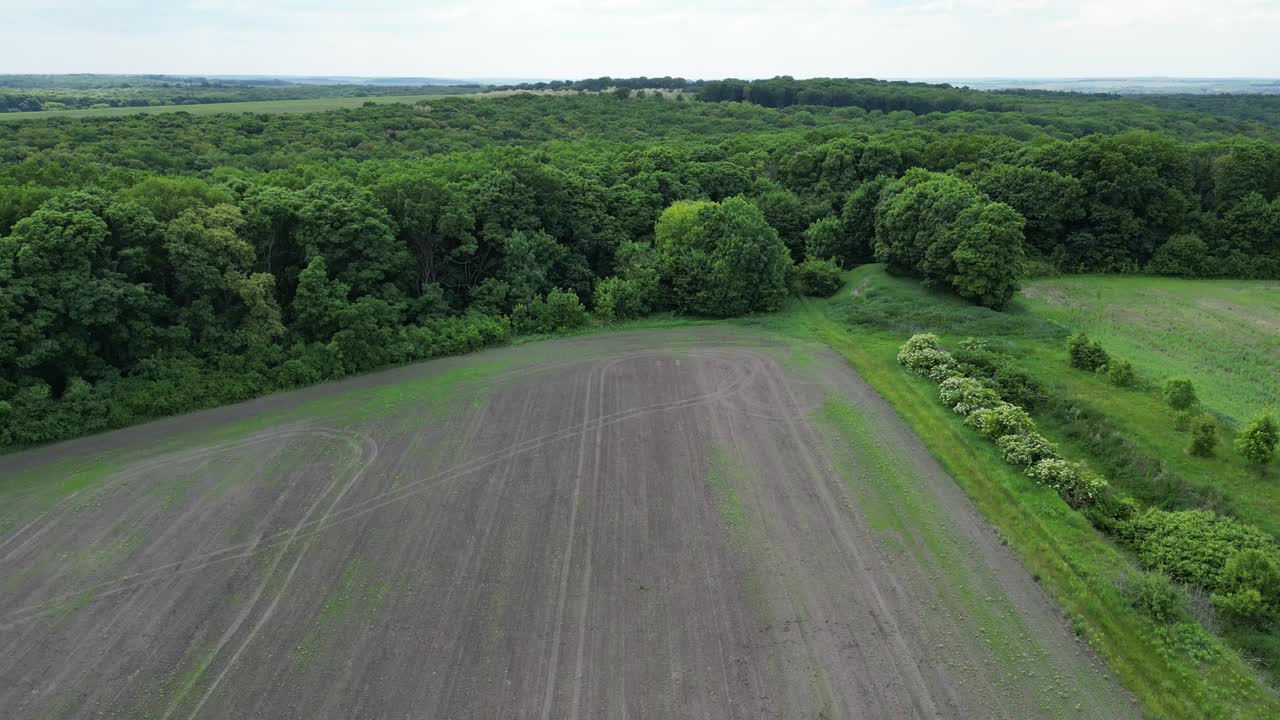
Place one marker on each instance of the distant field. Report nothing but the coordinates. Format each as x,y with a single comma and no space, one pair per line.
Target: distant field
273,106
1224,334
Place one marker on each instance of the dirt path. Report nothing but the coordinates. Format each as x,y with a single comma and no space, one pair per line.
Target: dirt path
706,523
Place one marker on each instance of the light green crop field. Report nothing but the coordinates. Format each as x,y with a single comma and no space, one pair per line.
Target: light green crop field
269,106
1223,334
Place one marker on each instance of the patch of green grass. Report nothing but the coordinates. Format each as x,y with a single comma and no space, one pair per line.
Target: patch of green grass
720,479
1074,562
726,478
891,498
359,595
1224,334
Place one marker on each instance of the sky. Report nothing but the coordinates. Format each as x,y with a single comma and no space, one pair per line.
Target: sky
689,38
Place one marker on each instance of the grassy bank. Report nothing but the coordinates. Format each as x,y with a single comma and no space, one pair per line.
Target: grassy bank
1079,567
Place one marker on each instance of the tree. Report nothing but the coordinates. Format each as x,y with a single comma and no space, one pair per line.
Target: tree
721,259
988,255
432,221
858,220
1257,441
1049,201
169,197
825,239
319,303
68,310
1179,393
366,336
526,265
785,213
354,234
912,229
1204,436
940,228
1001,420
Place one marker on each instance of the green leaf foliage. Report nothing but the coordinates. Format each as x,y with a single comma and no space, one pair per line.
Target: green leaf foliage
1257,441
1204,436
1180,394
1086,354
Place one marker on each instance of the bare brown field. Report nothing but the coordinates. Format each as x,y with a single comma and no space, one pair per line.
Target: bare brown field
702,523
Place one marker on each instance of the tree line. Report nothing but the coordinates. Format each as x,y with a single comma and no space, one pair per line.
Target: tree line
15,100
155,264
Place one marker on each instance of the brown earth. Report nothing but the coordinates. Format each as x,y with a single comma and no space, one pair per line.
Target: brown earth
650,525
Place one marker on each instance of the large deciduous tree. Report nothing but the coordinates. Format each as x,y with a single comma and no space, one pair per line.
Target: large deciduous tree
721,259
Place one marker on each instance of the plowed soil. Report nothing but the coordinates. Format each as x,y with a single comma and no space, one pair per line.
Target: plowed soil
703,523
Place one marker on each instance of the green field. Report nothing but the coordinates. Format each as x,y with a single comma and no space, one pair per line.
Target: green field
1224,334
272,106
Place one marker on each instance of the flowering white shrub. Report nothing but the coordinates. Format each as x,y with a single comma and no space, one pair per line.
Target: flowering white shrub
965,395
1003,419
1026,449
1075,484
923,355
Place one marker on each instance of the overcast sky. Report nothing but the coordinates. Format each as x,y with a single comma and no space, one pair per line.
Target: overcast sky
692,38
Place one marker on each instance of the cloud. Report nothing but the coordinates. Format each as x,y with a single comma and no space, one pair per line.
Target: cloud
578,38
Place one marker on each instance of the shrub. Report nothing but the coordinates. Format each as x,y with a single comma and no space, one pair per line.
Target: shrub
1204,436
1154,595
1121,374
819,278
455,335
1180,393
1076,485
923,354
1249,586
943,370
965,395
1085,353
1018,387
1193,546
560,311
1014,385
1182,420
1001,420
1257,442
619,299
1026,449
1182,255
1111,513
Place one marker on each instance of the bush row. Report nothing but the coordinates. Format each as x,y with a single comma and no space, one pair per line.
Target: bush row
1235,562
1007,424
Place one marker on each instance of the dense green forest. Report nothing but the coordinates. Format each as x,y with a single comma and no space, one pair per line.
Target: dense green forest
34,93
154,264
1256,109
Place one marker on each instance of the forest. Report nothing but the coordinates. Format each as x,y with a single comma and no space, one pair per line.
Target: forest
155,264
